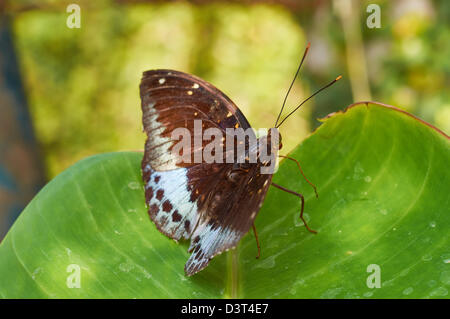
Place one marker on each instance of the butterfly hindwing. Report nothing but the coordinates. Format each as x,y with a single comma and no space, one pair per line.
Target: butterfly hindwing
169,203
228,213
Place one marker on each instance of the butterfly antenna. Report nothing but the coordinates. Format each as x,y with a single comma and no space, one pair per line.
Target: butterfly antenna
315,93
290,87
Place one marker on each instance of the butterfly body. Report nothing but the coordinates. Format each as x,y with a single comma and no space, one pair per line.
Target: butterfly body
213,204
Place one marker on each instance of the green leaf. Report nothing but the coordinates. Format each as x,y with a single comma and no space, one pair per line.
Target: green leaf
383,183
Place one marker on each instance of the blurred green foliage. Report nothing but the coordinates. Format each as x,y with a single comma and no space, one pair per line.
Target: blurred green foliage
415,74
83,83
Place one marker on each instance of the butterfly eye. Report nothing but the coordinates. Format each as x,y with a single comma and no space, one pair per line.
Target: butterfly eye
280,146
235,175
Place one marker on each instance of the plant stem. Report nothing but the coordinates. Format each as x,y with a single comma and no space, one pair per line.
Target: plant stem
232,275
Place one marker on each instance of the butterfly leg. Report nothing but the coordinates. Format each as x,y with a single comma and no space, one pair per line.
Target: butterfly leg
303,204
301,171
257,241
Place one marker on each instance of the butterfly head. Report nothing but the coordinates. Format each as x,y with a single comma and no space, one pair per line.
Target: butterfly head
274,140
269,145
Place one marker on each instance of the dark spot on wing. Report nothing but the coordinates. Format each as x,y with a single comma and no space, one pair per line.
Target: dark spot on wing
157,178
154,209
196,239
167,206
187,225
199,255
159,194
175,216
149,194
213,225
146,176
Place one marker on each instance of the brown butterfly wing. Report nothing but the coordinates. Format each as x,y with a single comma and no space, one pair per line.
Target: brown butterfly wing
195,200
172,99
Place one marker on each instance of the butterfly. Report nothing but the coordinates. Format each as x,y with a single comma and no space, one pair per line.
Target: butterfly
213,204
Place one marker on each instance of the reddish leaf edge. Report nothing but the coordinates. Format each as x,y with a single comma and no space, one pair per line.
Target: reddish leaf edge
394,108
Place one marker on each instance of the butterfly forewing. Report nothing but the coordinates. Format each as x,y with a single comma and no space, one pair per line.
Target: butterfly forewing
171,100
211,203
